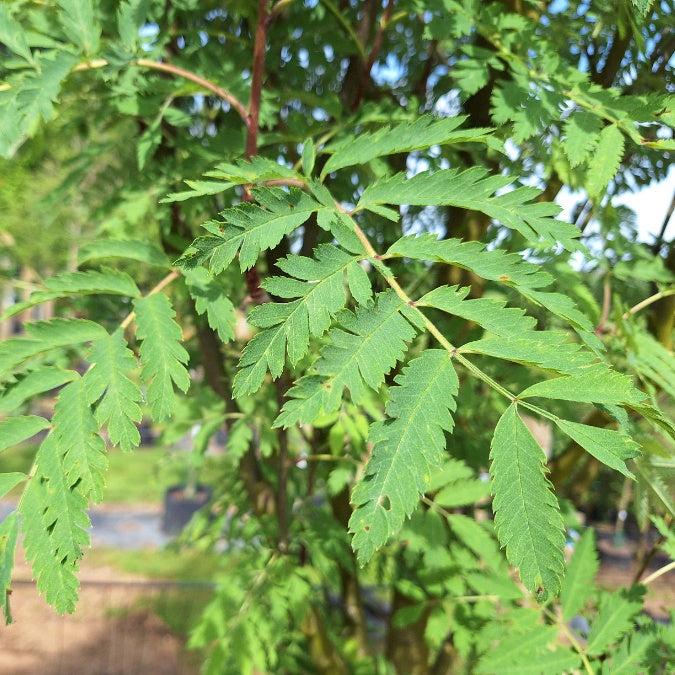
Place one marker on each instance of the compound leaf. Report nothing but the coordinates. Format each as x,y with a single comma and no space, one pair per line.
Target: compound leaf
598,384
123,248
250,228
79,283
359,353
36,382
288,326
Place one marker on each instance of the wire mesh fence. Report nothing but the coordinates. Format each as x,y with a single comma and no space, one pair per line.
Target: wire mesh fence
120,627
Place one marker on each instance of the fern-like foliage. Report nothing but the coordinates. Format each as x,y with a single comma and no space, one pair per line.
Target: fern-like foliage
80,283
359,354
250,228
605,159
118,396
9,535
422,133
45,336
288,326
407,449
54,525
505,268
36,382
254,171
76,439
616,615
527,517
581,570
210,299
474,189
162,354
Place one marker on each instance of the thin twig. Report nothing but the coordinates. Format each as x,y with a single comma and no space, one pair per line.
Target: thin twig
606,304
662,232
377,43
181,72
658,573
649,301
161,285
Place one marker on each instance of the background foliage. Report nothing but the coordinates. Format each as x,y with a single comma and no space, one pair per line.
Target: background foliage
326,228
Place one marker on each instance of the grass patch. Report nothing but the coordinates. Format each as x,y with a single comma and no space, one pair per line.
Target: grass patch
171,563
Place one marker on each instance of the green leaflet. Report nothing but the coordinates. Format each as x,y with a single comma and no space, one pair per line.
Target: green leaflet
558,660
119,396
631,656
242,172
642,7
130,18
162,354
610,447
615,617
581,135
288,326
491,314
18,429
578,585
550,350
9,534
465,493
406,137
475,189
12,35
406,449
36,382
359,353
77,19
527,517
77,440
32,98
605,160
79,283
210,299
598,384
495,265
515,651
250,228
654,361
54,525
123,248
44,336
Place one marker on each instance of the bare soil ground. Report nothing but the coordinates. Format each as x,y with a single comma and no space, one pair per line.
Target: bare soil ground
109,634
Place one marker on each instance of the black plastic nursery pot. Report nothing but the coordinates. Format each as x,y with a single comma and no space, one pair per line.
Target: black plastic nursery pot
181,502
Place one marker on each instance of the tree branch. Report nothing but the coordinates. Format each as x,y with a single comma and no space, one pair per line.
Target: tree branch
377,44
181,72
